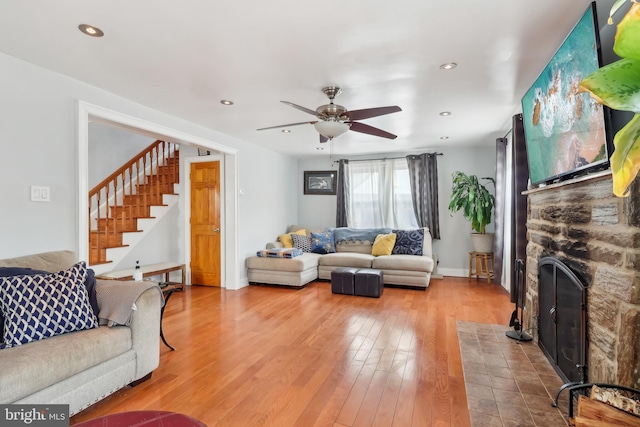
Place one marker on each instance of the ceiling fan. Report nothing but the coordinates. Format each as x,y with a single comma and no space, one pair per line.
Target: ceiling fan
336,119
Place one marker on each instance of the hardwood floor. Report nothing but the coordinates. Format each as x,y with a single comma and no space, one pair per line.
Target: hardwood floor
278,357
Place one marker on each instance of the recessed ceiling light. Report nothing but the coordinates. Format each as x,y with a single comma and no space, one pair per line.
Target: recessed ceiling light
444,137
91,30
448,66
319,148
286,130
445,113
226,102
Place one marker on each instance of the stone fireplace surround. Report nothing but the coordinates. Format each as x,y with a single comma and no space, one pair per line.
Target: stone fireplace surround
597,235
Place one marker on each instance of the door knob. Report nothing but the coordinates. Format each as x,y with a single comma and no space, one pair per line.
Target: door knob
217,230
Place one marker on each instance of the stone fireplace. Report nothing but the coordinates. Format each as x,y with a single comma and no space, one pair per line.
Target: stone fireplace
597,235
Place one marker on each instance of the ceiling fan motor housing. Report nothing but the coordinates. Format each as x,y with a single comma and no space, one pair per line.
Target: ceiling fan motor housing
331,111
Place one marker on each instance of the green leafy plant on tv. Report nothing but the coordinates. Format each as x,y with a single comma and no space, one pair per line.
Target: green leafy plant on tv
617,86
472,197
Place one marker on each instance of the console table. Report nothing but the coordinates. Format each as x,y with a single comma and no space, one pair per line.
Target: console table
148,271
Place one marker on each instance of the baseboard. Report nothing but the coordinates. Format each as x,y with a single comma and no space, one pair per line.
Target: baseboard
453,272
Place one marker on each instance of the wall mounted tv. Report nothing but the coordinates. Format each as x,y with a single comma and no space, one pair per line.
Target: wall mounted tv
566,132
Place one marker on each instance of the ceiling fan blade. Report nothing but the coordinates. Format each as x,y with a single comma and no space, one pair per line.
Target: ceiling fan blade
371,112
301,108
323,138
362,128
287,125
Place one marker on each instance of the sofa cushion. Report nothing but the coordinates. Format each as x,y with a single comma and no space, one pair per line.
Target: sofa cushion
322,243
383,245
404,262
301,242
359,247
286,240
41,306
347,259
409,242
299,263
31,367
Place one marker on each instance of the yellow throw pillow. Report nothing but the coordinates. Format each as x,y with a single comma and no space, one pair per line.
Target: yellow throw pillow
286,240
383,245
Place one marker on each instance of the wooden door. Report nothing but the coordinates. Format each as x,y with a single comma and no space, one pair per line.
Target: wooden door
205,223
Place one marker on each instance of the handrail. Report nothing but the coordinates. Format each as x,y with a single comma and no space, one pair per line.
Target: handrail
123,168
127,194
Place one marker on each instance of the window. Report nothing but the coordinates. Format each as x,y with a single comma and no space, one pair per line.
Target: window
379,195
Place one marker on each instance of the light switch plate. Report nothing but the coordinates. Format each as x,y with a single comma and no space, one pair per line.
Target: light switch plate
40,193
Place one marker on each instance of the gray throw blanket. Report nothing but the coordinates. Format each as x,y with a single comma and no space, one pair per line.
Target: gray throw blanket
117,299
345,234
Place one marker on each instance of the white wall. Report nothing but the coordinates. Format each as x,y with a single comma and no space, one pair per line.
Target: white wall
315,210
109,148
455,231
38,114
455,244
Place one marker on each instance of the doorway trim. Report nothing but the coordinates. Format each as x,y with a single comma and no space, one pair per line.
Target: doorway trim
229,156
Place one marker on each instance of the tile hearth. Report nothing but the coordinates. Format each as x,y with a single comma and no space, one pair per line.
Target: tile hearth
508,383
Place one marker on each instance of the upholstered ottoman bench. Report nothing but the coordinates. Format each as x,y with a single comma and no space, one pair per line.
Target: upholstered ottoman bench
294,272
342,280
368,283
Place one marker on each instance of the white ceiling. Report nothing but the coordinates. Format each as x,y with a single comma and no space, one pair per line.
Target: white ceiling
183,57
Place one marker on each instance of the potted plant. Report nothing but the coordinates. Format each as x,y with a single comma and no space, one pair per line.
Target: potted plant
617,86
473,198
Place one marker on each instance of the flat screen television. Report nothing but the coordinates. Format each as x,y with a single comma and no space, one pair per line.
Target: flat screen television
566,132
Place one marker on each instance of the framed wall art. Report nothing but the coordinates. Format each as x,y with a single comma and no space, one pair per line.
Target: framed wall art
320,182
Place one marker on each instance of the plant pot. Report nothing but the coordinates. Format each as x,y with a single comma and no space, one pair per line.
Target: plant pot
482,242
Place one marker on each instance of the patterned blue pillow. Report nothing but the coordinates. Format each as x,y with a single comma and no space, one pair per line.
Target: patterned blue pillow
408,242
323,243
41,306
301,242
15,271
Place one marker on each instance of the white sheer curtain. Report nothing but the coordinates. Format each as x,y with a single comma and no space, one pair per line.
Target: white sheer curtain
380,195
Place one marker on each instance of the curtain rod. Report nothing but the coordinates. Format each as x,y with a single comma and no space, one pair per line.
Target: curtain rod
387,158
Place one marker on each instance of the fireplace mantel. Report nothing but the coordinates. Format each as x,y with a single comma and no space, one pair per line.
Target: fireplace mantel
579,180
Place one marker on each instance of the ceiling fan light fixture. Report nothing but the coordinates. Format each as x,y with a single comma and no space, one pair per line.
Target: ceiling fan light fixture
330,128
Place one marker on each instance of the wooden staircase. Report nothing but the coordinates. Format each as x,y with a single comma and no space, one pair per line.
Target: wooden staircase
116,204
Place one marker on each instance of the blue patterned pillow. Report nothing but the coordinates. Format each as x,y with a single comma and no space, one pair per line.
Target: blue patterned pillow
14,271
323,243
41,306
408,242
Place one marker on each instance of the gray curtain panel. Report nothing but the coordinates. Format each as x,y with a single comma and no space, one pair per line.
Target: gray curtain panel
423,176
342,193
501,200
